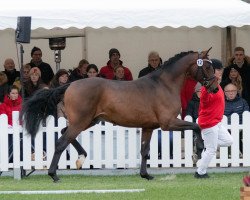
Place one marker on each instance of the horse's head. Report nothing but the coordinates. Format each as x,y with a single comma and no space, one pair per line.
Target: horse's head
205,72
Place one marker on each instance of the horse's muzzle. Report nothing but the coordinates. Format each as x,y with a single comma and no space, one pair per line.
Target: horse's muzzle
212,85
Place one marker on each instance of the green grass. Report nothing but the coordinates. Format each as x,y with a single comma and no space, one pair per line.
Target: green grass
220,186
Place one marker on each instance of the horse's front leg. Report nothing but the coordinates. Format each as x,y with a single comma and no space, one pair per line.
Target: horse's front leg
61,145
181,125
145,147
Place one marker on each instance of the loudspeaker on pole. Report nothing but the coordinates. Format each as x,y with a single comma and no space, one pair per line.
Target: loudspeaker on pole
23,29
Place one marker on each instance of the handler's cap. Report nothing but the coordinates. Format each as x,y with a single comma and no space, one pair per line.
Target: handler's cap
217,64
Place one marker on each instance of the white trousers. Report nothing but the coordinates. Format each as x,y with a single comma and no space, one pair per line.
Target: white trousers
214,137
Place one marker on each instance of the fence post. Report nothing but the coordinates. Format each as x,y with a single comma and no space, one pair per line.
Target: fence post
246,138
109,145
4,160
16,145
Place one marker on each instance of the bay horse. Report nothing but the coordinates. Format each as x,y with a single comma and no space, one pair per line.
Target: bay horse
149,102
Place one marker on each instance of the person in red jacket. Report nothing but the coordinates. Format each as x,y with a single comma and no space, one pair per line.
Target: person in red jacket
108,71
214,134
187,92
12,102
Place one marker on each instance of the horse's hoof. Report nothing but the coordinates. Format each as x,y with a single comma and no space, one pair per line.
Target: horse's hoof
54,177
80,161
147,176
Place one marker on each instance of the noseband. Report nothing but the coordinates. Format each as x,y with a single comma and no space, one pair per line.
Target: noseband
205,80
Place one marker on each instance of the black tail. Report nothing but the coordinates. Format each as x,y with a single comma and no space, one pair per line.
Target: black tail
42,104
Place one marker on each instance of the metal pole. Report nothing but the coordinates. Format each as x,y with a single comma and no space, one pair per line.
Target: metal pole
21,52
57,66
57,54
21,55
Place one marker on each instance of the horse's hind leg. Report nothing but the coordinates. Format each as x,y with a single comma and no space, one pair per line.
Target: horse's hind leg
145,147
61,145
80,150
82,154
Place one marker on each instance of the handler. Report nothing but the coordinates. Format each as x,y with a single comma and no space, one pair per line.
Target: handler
213,132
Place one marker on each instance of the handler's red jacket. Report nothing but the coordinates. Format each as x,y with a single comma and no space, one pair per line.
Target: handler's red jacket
212,106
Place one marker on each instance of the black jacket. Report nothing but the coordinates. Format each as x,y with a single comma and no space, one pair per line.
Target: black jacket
146,71
75,75
12,76
245,75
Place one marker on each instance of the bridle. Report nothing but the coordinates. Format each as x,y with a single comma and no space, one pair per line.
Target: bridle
207,82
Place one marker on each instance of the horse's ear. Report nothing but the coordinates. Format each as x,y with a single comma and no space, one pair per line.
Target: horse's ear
205,53
208,51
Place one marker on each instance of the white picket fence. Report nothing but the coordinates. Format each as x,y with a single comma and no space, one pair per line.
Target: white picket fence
110,146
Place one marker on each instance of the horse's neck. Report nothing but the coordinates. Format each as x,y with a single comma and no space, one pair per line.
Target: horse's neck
174,83
176,74
182,66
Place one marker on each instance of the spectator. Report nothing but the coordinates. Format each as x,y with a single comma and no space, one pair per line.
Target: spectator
60,78
193,110
24,76
35,83
92,71
234,104
12,102
187,93
114,61
79,72
25,72
194,103
119,73
154,61
10,71
46,71
234,77
4,87
243,62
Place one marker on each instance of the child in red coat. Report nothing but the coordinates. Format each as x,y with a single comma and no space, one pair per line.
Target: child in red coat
12,102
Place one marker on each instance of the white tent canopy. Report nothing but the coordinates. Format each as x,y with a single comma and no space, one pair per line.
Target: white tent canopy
130,13
168,26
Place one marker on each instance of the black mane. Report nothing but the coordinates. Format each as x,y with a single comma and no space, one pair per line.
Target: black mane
167,65
172,60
